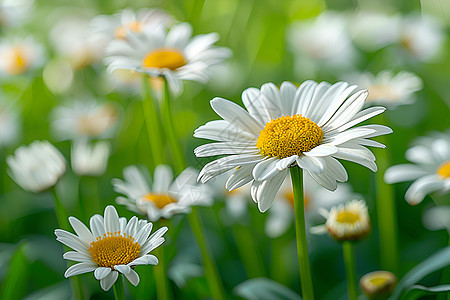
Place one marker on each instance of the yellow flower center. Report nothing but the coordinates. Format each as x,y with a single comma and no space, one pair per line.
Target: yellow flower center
121,31
287,136
378,281
347,217
167,58
444,170
159,200
16,62
114,249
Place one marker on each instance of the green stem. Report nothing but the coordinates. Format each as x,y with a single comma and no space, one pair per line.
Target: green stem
386,211
63,222
119,292
212,275
152,122
167,118
300,230
350,269
248,250
160,271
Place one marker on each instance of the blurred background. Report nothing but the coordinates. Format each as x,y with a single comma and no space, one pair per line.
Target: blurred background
271,41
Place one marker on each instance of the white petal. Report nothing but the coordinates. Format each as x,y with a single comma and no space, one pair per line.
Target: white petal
263,192
77,256
124,269
265,169
221,130
240,177
97,226
422,187
107,282
350,134
312,164
101,272
252,102
322,150
318,230
82,231
324,180
284,163
133,277
144,260
111,219
347,111
403,172
80,269
356,156
162,179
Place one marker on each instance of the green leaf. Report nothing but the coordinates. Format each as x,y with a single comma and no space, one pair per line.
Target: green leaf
417,291
14,284
264,289
433,263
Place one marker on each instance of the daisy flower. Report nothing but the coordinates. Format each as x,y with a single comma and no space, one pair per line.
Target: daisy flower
281,215
90,159
173,53
15,13
118,25
84,119
20,55
309,127
430,170
388,89
163,197
378,284
110,247
36,167
345,222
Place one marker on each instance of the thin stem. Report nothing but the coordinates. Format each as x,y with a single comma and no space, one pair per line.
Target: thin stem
152,123
160,271
386,211
61,216
212,275
300,230
350,269
119,292
248,250
167,118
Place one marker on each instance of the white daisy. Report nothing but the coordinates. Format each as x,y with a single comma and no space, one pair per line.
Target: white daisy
20,55
422,36
165,196
309,126
110,247
84,119
378,284
118,25
36,167
388,89
430,170
90,159
281,215
345,222
10,126
15,12
171,53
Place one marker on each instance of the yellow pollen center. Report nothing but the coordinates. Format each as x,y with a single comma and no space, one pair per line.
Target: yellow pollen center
121,31
378,281
159,200
444,170
164,58
287,136
16,61
114,249
347,217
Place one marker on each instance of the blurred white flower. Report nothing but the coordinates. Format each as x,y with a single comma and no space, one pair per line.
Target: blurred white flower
164,197
172,53
345,222
422,36
90,159
84,119
36,167
430,170
113,245
70,41
324,38
281,215
388,89
108,27
10,127
378,284
14,12
20,55
373,30
437,218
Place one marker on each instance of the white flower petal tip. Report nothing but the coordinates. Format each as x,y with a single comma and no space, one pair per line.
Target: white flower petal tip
96,249
260,143
165,196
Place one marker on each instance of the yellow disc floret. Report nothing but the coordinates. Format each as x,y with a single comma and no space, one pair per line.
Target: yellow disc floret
114,249
160,200
347,217
167,58
444,170
16,61
287,136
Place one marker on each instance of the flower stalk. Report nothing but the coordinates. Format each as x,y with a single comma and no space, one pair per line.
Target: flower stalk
300,231
160,271
350,269
119,291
